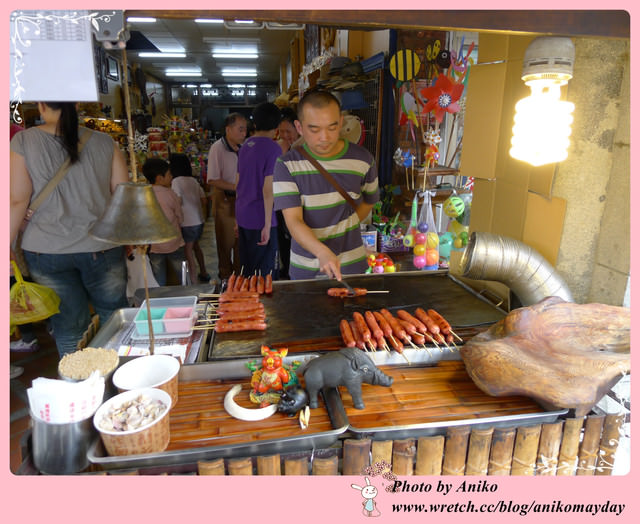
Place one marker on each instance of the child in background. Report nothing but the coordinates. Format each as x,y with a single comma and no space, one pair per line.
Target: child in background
193,202
257,226
156,171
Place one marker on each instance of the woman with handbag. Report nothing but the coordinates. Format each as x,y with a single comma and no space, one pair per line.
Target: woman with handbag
61,180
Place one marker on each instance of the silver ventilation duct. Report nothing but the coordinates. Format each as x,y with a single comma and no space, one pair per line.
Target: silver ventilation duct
515,264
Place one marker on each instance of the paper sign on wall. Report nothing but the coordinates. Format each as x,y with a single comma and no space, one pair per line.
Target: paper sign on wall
51,57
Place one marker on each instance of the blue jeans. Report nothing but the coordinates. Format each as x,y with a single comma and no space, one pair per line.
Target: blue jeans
257,259
80,279
159,263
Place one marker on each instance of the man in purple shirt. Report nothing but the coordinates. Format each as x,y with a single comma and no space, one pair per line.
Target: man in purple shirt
257,231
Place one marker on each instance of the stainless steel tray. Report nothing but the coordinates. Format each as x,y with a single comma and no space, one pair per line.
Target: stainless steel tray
422,358
232,370
119,328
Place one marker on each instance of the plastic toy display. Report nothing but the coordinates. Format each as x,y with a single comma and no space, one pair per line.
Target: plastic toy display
348,367
269,380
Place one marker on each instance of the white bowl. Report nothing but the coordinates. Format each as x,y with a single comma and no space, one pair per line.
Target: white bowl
151,371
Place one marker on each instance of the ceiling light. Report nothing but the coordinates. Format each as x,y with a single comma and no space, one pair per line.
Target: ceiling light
233,74
277,25
149,54
209,21
235,55
243,24
542,123
141,20
177,73
205,85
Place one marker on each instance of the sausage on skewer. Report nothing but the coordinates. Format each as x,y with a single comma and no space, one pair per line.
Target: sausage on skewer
268,284
357,335
376,332
253,283
362,326
231,282
347,335
408,317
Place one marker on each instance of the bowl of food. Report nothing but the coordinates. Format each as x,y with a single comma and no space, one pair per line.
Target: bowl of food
151,371
134,422
79,365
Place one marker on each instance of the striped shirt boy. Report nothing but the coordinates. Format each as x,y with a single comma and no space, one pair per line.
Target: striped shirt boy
296,183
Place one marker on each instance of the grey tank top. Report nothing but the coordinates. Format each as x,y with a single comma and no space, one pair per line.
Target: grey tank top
61,224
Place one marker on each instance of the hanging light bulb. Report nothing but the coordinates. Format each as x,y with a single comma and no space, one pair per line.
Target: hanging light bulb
542,123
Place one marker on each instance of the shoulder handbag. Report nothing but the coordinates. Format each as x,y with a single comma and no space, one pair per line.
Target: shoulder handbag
329,178
46,191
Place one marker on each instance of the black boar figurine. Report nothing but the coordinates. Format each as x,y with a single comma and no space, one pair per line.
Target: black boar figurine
348,367
292,400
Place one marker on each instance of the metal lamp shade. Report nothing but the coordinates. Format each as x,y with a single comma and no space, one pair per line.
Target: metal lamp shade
134,217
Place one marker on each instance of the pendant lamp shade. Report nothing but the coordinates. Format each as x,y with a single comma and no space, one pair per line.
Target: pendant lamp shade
134,217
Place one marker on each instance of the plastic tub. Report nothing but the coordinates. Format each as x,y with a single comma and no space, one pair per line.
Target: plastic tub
171,317
142,320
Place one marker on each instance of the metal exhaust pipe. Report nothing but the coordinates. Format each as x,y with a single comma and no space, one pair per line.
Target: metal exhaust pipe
515,264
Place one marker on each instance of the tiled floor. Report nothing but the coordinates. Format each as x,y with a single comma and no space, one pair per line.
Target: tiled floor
44,362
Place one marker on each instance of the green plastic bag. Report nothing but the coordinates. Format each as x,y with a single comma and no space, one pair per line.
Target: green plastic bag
30,302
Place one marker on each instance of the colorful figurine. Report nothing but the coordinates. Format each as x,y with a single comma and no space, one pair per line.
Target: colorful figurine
270,380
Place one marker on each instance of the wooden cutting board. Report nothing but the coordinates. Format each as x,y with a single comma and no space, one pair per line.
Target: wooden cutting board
301,315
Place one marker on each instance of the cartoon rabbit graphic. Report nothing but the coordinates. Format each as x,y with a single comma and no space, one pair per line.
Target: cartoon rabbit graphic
369,493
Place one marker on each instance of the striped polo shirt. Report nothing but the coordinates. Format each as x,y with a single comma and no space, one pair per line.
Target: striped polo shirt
296,183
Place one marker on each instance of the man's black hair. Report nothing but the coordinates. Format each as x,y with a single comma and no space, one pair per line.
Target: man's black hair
266,116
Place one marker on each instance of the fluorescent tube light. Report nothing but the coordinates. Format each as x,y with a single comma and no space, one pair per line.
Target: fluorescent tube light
150,54
235,55
209,21
182,73
141,20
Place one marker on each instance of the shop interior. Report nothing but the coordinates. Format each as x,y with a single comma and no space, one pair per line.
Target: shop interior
170,79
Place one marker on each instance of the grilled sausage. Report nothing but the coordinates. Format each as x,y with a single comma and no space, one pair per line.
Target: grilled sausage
268,284
362,326
347,335
408,317
357,335
376,332
445,327
431,324
255,325
398,330
260,285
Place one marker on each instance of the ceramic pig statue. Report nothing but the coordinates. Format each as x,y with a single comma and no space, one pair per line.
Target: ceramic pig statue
349,367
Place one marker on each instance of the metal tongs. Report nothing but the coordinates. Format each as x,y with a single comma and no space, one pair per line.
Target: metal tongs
351,291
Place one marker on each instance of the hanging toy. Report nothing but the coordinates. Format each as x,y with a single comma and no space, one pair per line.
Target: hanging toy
432,154
408,240
454,206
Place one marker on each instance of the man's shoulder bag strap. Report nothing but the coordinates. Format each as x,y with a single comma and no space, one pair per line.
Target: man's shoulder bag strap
329,178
